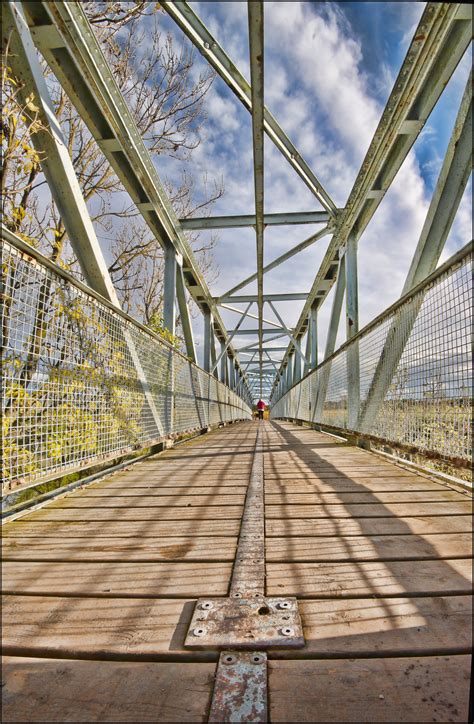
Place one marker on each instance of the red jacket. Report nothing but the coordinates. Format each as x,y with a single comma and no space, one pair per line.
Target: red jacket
260,405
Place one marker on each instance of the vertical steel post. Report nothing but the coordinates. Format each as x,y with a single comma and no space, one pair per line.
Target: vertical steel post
331,339
223,375
313,328
169,322
169,290
296,369
352,327
207,340
290,369
184,314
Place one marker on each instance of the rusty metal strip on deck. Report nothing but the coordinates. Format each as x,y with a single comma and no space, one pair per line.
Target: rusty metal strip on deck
246,619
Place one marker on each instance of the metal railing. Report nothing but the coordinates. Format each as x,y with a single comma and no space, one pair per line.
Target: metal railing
405,379
83,382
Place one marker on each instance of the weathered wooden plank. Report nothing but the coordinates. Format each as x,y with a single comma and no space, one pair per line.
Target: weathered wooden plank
370,690
293,498
390,578
78,500
419,525
121,579
383,547
55,626
25,527
298,474
176,513
118,549
376,510
45,690
191,489
128,627
150,483
345,485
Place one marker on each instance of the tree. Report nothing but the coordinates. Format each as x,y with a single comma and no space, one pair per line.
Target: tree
166,97
167,101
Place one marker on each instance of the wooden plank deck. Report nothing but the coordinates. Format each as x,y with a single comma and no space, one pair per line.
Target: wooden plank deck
99,586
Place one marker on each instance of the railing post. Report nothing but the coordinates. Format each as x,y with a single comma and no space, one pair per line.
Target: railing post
352,327
223,363
207,339
313,332
289,374
169,290
169,322
184,314
297,369
331,339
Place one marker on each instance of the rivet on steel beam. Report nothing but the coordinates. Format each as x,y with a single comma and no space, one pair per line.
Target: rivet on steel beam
207,605
284,604
229,659
257,659
287,631
203,631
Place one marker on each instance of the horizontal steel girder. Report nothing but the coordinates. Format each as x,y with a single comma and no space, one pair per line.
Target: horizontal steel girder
239,222
290,297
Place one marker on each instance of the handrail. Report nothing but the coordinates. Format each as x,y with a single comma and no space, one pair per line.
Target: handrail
84,382
420,348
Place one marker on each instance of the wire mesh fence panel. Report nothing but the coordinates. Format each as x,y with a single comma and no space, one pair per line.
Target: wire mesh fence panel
406,378
82,383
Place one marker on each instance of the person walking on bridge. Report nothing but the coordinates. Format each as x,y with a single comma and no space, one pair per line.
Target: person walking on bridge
260,409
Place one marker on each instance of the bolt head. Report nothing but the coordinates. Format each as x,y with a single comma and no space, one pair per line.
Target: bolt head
287,631
199,631
207,605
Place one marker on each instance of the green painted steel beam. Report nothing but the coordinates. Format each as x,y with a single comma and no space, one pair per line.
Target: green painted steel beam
289,297
256,331
255,23
242,221
279,260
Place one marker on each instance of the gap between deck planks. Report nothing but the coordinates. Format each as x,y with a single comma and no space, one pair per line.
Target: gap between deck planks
111,572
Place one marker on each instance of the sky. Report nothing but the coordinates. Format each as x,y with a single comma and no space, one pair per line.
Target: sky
329,69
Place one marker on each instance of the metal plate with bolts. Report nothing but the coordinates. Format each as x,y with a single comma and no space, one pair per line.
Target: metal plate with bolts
245,623
240,689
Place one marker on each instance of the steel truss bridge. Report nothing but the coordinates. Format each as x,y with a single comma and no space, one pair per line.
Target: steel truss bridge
75,365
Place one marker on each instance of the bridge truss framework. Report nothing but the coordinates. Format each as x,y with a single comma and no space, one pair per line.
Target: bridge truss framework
61,33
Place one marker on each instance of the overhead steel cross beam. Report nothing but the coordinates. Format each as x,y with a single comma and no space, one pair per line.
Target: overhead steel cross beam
208,46
239,222
65,38
440,40
279,260
255,19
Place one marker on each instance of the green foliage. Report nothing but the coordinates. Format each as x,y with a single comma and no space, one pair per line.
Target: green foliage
156,325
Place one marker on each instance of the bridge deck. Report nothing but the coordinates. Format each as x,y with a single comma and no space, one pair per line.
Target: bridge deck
100,585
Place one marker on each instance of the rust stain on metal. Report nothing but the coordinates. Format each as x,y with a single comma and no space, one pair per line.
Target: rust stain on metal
240,690
248,575
245,623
